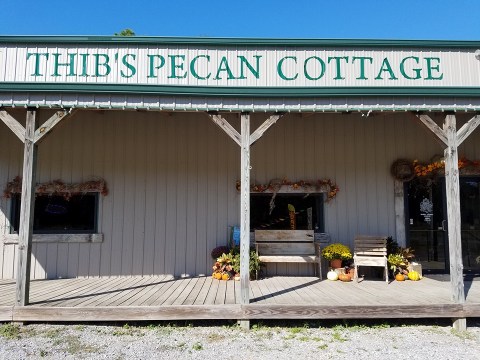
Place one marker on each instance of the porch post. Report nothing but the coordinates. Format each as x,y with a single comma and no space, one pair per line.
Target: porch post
245,214
26,211
453,217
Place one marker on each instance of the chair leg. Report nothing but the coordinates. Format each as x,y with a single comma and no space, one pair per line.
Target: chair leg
320,269
386,274
355,274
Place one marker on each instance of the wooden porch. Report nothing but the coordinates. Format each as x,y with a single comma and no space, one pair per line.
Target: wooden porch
167,298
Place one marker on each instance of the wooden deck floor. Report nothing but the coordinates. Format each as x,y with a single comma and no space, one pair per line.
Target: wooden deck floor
166,298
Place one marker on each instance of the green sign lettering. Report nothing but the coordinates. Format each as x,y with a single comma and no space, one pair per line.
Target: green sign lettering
280,70
362,60
37,62
338,66
386,67
193,68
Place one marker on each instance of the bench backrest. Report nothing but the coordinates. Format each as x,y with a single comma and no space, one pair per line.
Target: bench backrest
285,242
372,246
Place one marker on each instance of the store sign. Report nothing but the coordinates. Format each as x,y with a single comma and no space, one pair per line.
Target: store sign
240,67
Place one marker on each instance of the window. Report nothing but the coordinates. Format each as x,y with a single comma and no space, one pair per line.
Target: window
54,214
308,211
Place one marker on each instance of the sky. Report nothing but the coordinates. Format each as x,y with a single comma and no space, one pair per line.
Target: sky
319,19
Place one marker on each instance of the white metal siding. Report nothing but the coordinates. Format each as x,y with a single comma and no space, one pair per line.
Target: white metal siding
172,179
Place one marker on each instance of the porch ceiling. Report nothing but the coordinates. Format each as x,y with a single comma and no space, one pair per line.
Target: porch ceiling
240,104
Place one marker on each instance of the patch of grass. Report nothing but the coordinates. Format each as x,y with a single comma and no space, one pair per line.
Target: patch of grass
337,336
51,333
73,346
323,346
465,335
127,330
10,331
43,353
197,346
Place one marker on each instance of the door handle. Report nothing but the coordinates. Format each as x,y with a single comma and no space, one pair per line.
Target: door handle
444,223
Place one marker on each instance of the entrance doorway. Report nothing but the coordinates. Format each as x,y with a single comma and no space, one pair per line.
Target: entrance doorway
427,223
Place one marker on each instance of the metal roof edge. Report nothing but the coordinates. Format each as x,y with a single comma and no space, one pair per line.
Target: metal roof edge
218,41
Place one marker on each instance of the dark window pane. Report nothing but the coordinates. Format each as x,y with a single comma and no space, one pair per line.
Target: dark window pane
55,214
308,212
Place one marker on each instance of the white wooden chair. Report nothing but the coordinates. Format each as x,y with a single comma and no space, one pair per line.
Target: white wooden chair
370,251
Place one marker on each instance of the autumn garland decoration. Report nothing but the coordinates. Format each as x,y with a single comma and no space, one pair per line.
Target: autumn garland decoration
58,187
274,186
436,166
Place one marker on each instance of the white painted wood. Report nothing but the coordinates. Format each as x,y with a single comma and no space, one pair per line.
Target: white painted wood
26,212
225,126
452,184
13,125
55,238
432,125
400,233
245,209
48,125
258,133
370,251
467,129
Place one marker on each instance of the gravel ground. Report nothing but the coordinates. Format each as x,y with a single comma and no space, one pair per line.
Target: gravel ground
225,341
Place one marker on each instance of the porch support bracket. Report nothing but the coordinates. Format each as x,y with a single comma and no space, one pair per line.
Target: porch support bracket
13,125
48,125
225,126
257,134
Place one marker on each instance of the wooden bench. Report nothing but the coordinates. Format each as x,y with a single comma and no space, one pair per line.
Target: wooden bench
288,246
370,251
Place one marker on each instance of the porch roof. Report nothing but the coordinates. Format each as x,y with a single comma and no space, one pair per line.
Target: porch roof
135,101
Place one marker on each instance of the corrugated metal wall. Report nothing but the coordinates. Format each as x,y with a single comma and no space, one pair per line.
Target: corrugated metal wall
172,182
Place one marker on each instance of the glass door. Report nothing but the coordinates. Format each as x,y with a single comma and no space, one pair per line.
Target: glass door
426,224
470,210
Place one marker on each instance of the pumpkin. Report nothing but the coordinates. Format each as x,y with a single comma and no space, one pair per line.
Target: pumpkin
332,275
344,277
226,276
217,275
399,277
414,275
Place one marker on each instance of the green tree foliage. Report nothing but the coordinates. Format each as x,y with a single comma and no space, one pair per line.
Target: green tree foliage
126,32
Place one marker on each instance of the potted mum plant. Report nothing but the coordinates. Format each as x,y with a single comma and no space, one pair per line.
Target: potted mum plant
336,253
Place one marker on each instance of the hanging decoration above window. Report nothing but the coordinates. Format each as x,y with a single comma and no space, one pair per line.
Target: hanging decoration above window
437,167
58,187
276,185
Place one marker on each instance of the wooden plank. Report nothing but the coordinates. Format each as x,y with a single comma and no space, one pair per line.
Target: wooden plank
230,292
212,292
48,125
192,287
432,125
245,208
258,133
467,129
288,259
13,125
126,313
125,292
183,285
226,127
286,249
55,238
452,184
159,285
102,293
146,291
6,313
202,295
26,211
284,235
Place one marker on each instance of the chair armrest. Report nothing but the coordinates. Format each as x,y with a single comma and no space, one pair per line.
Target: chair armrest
317,249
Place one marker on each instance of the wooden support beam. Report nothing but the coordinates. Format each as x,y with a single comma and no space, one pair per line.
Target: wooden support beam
245,214
257,134
432,125
26,212
13,124
467,129
48,125
225,126
453,211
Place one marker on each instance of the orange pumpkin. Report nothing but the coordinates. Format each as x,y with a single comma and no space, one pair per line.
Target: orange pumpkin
218,275
344,277
399,277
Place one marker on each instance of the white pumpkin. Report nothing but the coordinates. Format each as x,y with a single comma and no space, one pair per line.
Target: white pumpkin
332,275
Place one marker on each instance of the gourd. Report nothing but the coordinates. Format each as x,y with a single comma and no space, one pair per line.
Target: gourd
414,275
217,275
332,275
344,277
226,276
399,277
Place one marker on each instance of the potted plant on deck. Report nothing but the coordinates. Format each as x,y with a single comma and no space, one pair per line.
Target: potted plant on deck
336,253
